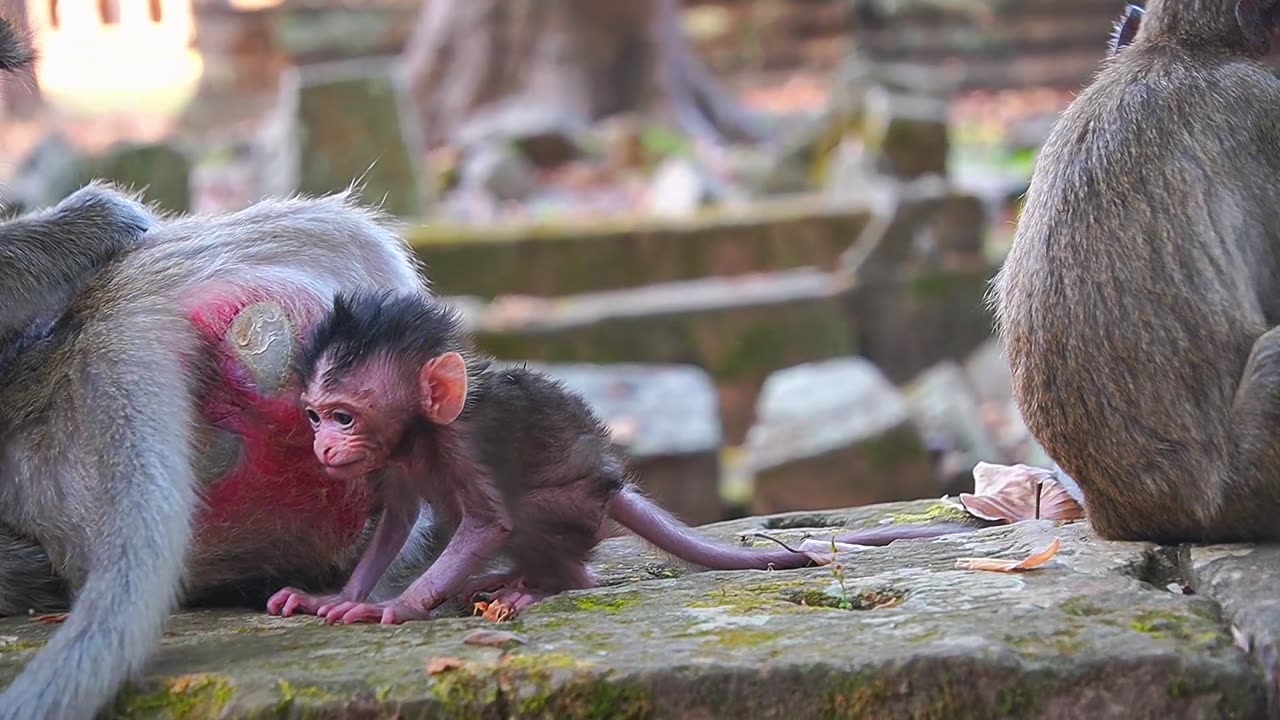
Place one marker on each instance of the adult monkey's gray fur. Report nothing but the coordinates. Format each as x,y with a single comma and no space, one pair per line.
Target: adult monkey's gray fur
1140,301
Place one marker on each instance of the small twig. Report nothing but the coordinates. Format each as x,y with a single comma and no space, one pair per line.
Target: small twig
776,540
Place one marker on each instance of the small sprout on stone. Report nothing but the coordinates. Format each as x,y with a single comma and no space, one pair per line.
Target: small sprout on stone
993,565
837,570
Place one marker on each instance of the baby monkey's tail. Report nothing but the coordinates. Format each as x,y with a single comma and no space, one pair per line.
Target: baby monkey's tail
643,517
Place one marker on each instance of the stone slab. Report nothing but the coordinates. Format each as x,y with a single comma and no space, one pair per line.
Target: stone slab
834,433
548,261
343,123
738,329
1244,580
1093,634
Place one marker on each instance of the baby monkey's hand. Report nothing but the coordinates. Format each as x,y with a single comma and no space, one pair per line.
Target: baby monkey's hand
286,601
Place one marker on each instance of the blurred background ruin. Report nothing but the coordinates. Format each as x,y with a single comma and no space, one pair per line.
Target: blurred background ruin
756,234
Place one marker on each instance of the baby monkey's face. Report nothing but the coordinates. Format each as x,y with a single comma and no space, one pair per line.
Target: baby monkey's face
358,419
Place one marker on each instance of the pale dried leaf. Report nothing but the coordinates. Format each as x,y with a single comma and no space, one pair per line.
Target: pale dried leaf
1013,493
993,565
435,666
820,551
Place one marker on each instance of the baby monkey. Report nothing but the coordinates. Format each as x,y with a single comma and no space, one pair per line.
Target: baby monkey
512,463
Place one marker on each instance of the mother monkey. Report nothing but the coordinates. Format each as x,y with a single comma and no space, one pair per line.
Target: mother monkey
1140,304
150,444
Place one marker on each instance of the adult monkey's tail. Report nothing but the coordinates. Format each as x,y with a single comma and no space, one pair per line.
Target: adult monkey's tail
133,477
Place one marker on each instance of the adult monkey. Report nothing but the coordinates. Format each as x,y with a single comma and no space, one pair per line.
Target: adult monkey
1140,301
151,446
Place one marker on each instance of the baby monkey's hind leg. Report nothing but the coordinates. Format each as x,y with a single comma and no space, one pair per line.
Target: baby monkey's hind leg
507,602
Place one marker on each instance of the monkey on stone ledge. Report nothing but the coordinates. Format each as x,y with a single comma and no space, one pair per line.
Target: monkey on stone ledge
1140,300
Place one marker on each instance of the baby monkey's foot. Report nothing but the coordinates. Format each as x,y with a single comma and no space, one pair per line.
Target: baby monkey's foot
484,585
285,602
509,601
391,612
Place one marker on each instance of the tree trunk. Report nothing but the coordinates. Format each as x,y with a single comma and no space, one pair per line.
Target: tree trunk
587,58
19,93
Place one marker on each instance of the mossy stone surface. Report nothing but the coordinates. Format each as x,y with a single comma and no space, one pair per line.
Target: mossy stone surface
923,640
549,261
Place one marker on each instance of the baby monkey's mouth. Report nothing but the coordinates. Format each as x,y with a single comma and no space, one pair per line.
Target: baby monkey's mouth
343,470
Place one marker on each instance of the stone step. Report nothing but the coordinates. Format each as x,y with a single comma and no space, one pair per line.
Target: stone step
1092,634
521,259
834,433
738,329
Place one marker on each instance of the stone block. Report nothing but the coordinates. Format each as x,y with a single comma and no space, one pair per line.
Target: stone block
552,261
738,329
665,418
162,173
834,433
945,407
907,134
341,123
920,281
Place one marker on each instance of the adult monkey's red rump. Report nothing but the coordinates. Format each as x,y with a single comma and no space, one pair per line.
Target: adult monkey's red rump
260,473
151,451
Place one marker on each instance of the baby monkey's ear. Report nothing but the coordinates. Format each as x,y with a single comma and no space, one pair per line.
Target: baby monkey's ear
442,382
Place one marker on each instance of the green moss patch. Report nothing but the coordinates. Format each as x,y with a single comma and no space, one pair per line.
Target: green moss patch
183,696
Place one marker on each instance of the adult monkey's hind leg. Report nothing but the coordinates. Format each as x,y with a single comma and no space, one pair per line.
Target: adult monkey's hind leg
1250,508
27,580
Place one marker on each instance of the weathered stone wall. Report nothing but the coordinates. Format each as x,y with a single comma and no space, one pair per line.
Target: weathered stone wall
970,43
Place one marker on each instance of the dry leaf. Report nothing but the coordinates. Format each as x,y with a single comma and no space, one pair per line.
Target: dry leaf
498,612
1013,493
435,666
994,565
51,618
493,638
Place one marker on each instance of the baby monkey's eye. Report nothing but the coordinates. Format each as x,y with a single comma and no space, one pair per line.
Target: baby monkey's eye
343,419
313,417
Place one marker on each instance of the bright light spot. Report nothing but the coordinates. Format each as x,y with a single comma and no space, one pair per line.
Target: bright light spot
106,57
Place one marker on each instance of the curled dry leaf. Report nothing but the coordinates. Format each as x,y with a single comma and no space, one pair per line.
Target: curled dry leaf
435,666
1013,493
493,638
993,565
499,612
51,618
